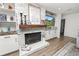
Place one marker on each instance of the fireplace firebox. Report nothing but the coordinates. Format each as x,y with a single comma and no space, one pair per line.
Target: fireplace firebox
31,38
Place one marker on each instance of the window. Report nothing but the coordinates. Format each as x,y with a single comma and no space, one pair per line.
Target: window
34,14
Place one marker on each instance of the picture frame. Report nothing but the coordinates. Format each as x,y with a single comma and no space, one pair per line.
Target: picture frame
3,17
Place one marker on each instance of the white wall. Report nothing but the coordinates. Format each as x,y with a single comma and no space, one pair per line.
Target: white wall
58,24
20,8
71,25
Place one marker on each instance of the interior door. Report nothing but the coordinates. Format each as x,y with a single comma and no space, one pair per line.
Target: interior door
62,27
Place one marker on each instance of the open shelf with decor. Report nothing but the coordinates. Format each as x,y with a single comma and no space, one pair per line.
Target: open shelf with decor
7,19
7,28
7,12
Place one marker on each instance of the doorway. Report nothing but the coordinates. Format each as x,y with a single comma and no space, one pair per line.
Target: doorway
62,27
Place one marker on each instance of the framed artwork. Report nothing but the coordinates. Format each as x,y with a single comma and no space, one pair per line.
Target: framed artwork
3,17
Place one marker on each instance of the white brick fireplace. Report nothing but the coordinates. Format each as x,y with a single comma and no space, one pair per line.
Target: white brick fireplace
26,49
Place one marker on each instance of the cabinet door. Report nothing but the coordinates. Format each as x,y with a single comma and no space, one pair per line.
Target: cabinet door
14,42
52,33
47,35
7,45
77,42
4,44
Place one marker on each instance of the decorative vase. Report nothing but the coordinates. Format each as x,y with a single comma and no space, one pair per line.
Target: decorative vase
25,19
21,14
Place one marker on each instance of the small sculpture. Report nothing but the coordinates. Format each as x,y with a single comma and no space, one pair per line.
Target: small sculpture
21,18
25,19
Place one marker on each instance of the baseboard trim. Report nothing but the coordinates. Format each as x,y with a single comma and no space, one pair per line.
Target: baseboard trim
10,53
51,38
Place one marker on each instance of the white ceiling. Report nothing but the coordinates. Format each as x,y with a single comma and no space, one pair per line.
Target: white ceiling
65,8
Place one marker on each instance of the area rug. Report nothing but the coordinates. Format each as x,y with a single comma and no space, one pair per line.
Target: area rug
68,50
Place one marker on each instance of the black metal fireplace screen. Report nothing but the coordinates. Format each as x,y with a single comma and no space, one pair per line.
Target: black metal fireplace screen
31,38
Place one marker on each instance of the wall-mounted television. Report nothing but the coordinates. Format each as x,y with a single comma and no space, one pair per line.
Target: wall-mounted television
50,18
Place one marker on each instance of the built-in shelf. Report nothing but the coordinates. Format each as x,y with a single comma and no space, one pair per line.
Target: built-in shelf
7,33
7,10
8,22
30,26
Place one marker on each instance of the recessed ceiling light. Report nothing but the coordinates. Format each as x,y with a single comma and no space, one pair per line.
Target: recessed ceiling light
59,8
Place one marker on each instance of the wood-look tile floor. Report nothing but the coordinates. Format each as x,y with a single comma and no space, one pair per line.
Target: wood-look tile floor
54,45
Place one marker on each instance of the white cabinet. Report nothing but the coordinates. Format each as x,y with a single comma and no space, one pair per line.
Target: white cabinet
50,34
77,42
47,35
8,43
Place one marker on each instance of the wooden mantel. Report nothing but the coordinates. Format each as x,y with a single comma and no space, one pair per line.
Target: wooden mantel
30,26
